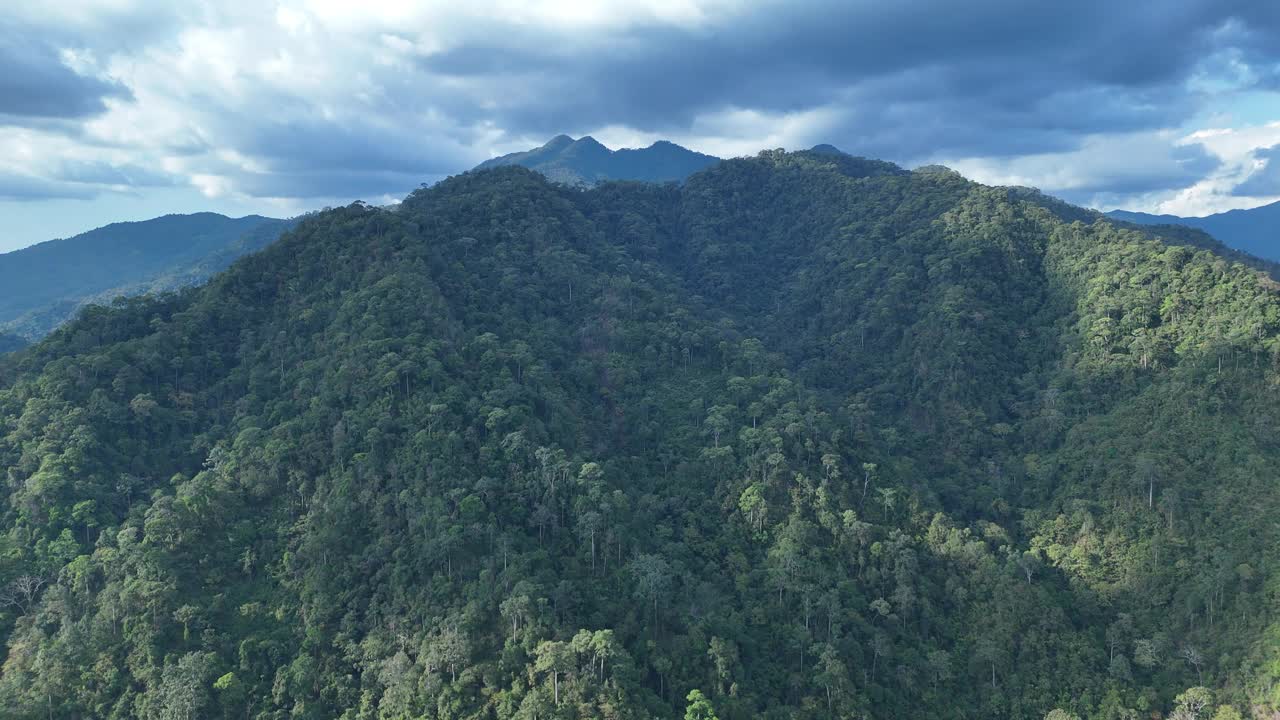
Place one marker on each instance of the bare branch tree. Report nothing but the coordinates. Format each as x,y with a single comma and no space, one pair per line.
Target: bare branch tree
1193,657
22,591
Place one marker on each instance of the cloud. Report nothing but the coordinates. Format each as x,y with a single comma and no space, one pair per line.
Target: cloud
78,181
323,98
38,82
1236,150
1103,167
1265,181
1046,75
14,186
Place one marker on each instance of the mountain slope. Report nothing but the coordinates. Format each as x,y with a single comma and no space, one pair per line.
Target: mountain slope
9,343
586,162
45,284
1170,234
819,437
1252,231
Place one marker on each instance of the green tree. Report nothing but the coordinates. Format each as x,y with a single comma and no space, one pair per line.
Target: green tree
699,707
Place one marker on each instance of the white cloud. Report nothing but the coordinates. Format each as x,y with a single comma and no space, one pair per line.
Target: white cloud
1236,148
1102,169
295,100
463,20
734,132
202,95
1236,143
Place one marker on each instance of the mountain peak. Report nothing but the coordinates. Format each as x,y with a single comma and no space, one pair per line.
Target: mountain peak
825,149
586,161
559,141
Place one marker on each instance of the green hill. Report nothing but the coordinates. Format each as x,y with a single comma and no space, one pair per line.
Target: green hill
811,434
45,284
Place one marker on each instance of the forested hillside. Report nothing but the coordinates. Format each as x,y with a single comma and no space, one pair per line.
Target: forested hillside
44,285
1252,230
808,436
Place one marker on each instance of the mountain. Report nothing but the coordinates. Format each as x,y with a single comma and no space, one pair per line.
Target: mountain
10,343
585,162
45,284
1170,234
1252,231
826,149
803,437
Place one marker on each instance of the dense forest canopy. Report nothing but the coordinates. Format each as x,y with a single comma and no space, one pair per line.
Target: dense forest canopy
808,436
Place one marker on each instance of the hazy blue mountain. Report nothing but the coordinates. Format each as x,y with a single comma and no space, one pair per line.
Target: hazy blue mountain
9,343
43,285
1252,231
826,149
586,162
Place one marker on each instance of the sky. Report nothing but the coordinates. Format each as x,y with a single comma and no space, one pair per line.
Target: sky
117,110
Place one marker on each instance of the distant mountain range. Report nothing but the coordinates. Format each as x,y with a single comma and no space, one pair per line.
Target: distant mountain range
1253,231
585,162
42,286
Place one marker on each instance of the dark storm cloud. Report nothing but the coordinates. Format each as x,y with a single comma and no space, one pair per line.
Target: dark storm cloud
308,157
914,78
908,80
1264,182
35,83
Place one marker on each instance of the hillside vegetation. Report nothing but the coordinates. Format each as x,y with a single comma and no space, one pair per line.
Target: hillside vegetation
1251,231
810,435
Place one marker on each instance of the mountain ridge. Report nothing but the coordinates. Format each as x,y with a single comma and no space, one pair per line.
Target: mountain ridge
586,162
46,283
1251,230
818,436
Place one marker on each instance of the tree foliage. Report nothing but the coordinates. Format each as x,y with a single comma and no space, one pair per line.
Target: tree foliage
810,434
